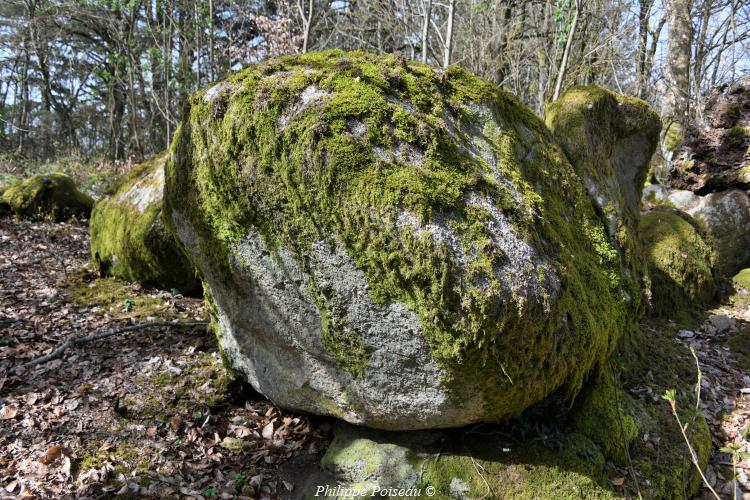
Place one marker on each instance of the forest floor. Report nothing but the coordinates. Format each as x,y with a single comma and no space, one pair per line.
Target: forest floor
146,411
151,411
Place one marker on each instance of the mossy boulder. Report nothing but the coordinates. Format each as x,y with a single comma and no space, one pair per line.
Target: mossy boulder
725,217
129,239
742,279
52,196
680,262
610,139
396,245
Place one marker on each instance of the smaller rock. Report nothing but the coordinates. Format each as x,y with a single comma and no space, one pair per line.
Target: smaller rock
685,334
654,194
745,390
725,217
718,324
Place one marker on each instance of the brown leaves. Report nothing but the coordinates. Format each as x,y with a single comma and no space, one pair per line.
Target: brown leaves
8,412
61,436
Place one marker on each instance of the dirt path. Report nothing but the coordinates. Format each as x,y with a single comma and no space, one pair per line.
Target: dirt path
725,392
150,412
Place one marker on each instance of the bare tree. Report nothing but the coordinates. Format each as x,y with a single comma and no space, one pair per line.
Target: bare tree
566,52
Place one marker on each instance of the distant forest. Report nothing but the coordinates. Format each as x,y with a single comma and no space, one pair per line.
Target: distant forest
108,78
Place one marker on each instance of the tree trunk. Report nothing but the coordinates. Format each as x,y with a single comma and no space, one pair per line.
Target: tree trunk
679,47
449,34
426,29
566,53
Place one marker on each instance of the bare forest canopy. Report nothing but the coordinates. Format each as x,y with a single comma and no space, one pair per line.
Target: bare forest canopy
108,78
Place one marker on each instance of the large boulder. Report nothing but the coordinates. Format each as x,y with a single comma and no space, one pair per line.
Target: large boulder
610,139
680,262
129,239
725,216
53,196
398,246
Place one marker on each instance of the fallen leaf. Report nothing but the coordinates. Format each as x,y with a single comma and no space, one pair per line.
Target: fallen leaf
8,412
52,453
267,431
617,481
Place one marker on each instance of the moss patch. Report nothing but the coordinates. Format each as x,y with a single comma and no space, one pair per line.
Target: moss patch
740,345
674,134
314,172
129,239
680,263
113,297
54,196
742,279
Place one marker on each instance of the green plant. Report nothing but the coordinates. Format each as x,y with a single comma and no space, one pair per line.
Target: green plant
670,395
734,449
239,480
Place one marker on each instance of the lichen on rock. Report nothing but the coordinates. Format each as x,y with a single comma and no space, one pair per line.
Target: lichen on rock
129,240
680,262
53,196
395,245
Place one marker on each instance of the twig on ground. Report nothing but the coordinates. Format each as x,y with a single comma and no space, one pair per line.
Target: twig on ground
104,334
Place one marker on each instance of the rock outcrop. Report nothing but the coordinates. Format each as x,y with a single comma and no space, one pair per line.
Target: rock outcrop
394,245
54,196
716,157
129,239
680,262
725,216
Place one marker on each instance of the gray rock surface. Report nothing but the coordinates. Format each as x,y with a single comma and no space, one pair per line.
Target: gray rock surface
726,217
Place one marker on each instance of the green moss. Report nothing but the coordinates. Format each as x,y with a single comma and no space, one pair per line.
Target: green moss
736,136
740,345
742,279
603,415
529,470
129,239
111,296
680,263
674,134
53,196
306,177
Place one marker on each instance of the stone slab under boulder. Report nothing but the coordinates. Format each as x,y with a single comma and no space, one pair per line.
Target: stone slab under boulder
51,196
725,216
129,239
392,244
